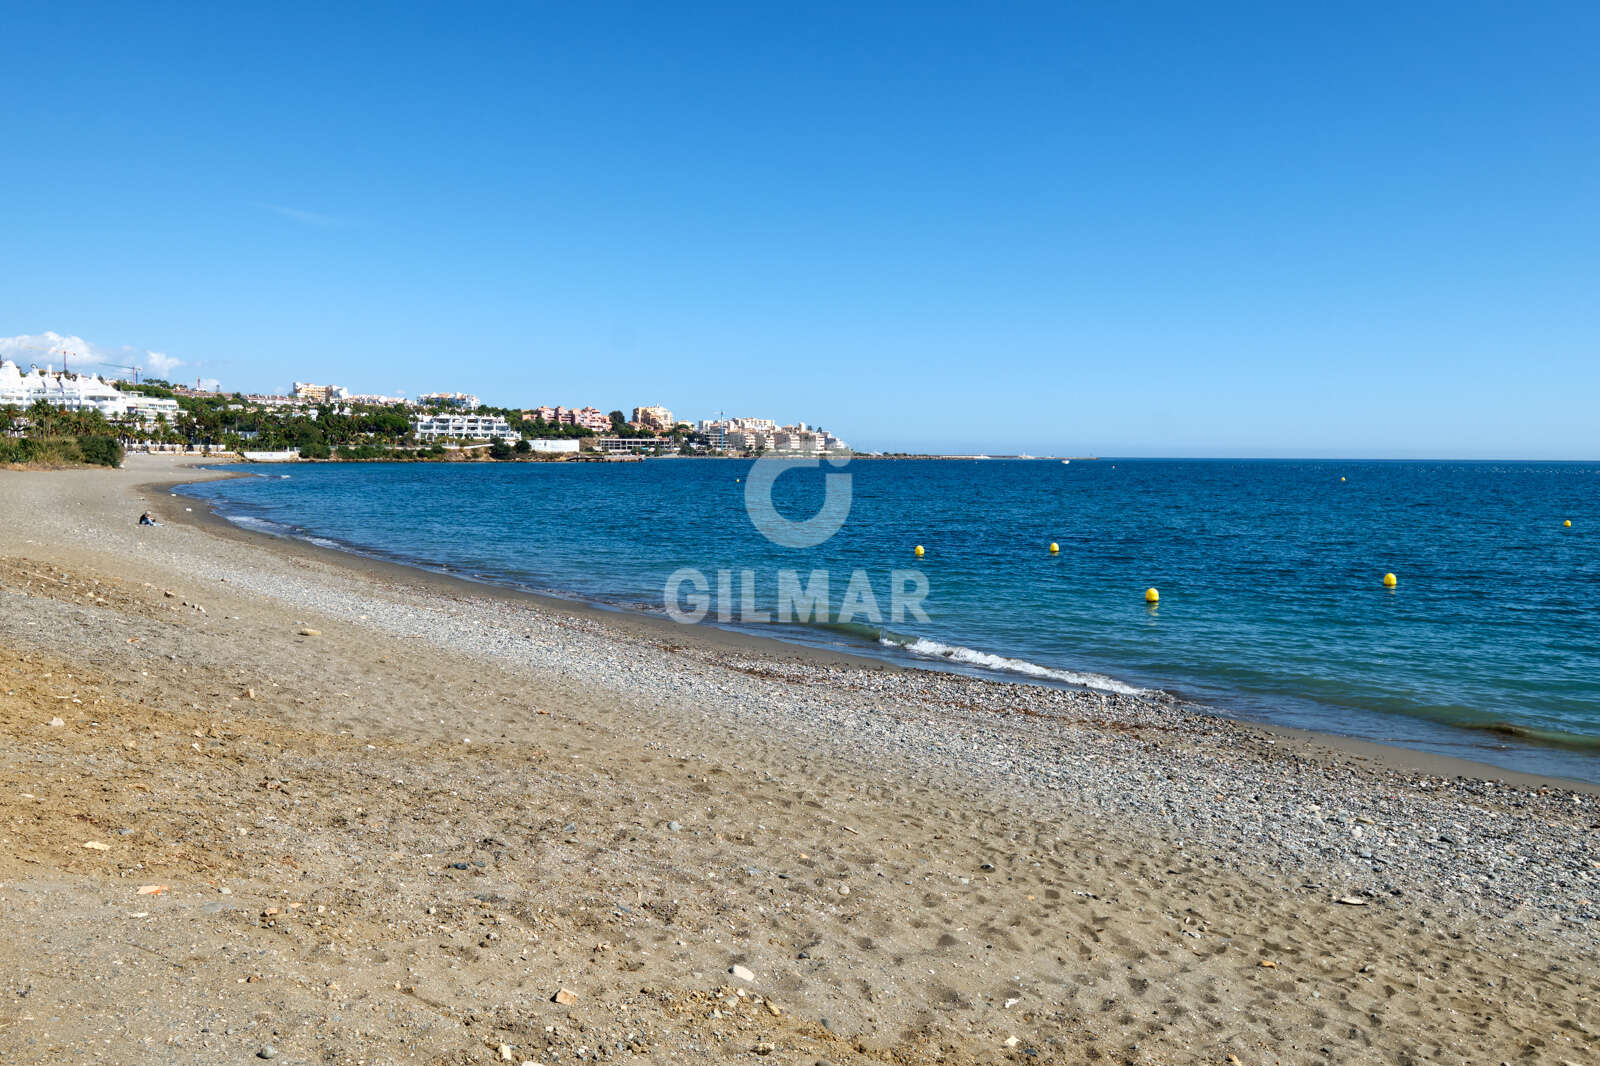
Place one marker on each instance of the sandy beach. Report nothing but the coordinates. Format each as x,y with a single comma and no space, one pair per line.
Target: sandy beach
259,800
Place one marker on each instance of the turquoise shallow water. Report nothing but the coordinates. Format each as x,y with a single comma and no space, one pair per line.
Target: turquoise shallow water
1272,605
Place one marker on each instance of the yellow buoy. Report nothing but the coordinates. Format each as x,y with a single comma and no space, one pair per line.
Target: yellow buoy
1341,479
1054,547
1151,595
919,549
1567,524
1390,581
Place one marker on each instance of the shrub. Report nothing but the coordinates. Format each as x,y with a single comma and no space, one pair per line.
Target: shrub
15,450
101,451
52,451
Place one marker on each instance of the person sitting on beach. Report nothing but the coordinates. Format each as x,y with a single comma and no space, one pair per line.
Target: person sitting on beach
146,520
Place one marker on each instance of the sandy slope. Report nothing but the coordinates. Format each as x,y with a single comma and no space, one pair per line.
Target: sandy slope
378,846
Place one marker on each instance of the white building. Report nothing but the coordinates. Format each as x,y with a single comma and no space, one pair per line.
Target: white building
749,440
75,392
261,400
716,433
798,442
464,401
622,445
149,408
78,392
463,427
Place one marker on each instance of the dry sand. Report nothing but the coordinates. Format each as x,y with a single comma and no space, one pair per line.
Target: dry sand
391,818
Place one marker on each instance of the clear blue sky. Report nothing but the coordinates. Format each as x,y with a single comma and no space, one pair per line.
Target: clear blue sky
1158,229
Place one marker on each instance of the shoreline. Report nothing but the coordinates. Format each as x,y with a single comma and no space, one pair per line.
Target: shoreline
256,793
634,623
1391,754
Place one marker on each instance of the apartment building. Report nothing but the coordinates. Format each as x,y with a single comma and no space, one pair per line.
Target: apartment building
461,401
306,392
462,427
591,418
653,417
78,392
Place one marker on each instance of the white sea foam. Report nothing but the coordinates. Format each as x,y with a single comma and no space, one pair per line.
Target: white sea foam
266,525
923,648
259,525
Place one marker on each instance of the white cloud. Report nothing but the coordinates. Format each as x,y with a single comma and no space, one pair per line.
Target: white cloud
160,363
52,349
48,347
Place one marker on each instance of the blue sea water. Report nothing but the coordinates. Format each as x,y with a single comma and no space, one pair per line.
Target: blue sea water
1271,606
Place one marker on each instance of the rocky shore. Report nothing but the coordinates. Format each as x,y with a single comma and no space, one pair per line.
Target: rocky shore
397,818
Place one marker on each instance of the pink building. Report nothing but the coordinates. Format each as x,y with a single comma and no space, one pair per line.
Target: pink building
587,417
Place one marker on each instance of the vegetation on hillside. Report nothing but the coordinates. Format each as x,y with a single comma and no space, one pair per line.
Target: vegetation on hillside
47,435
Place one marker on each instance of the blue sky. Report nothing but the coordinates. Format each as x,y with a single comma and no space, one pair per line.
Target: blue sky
1137,229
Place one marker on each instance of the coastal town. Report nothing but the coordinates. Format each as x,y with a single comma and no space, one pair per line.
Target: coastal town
326,421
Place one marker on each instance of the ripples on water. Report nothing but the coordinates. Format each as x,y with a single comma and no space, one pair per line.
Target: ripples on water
1270,572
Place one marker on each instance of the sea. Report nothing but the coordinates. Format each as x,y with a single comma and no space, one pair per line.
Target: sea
1271,603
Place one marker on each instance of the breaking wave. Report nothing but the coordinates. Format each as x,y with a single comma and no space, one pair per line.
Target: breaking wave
922,648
